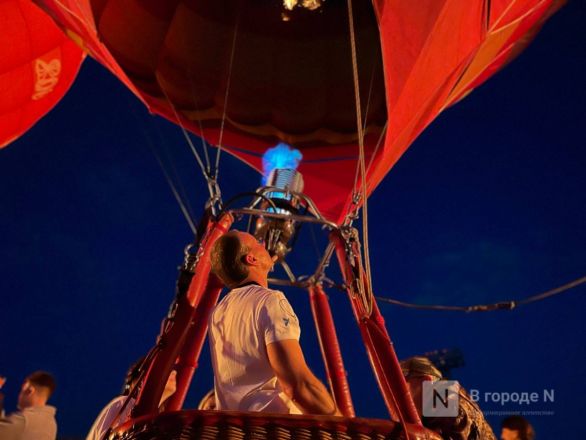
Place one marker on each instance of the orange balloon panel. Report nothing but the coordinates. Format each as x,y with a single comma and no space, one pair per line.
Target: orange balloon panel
280,71
37,66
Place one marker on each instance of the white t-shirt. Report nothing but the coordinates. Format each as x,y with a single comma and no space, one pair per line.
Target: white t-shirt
107,416
241,326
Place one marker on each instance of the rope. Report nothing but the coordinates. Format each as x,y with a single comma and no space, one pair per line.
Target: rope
369,98
187,137
362,161
228,84
371,161
503,305
174,174
213,187
369,297
184,206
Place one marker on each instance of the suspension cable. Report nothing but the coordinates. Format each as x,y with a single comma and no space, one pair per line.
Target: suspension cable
369,97
187,137
368,294
194,97
361,159
213,187
183,205
503,305
225,109
379,142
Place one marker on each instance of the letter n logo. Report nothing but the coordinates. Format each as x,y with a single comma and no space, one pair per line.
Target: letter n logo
440,398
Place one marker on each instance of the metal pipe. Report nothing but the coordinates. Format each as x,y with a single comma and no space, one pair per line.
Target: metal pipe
214,231
188,360
330,350
298,218
173,336
263,191
377,341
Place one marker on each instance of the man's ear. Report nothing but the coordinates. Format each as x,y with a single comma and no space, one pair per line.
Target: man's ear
250,259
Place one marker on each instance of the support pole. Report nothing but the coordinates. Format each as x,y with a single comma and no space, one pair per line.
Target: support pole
377,341
330,350
173,334
189,357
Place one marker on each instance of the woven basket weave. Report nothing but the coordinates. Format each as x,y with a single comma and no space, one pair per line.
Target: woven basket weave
229,425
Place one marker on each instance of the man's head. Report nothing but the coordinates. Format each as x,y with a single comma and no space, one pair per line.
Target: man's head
132,376
516,428
134,373
36,390
238,257
417,370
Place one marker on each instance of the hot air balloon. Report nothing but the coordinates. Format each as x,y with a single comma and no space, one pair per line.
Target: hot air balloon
38,65
350,85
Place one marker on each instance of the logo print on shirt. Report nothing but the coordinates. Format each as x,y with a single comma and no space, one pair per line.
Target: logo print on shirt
288,311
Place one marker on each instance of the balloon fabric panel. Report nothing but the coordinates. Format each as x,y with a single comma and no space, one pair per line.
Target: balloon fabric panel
274,74
37,67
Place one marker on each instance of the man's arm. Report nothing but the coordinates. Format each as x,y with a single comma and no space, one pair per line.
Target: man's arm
297,380
11,427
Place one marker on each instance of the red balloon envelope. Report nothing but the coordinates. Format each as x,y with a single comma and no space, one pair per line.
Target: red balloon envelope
283,71
38,64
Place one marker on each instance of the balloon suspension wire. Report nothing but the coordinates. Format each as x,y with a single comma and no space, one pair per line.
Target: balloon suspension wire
379,142
213,188
179,195
381,136
359,125
369,297
199,123
204,168
503,305
369,97
226,96
178,190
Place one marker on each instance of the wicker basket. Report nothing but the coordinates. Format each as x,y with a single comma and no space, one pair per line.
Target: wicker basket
230,425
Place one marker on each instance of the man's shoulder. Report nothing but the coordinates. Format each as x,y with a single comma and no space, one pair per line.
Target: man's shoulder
12,426
254,294
44,410
14,418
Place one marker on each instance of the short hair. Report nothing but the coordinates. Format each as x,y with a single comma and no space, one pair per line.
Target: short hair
42,379
132,375
521,425
419,366
227,259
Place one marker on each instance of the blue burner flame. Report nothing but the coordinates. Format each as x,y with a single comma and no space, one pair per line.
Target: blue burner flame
281,156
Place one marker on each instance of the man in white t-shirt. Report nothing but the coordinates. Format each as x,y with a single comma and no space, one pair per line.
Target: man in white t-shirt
35,420
117,411
254,338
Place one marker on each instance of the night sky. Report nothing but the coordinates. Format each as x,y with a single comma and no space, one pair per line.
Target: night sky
489,204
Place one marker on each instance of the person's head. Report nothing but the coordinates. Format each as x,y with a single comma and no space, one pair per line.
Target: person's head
36,390
417,370
238,257
516,428
134,374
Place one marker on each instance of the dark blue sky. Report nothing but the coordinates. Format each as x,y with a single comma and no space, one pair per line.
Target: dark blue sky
488,204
